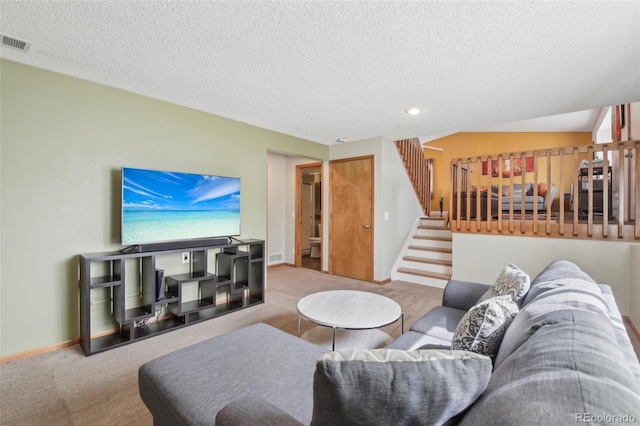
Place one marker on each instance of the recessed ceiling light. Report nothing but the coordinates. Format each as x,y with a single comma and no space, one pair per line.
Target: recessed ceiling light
341,140
413,111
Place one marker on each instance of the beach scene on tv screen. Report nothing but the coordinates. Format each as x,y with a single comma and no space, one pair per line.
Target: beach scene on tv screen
167,206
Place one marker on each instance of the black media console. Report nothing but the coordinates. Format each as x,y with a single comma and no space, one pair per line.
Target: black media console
130,296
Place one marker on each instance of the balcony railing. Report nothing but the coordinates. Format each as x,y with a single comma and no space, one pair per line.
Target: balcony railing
587,191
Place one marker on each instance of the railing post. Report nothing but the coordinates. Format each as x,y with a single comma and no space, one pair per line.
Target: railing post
561,196
590,193
534,226
489,197
511,207
523,182
499,193
458,193
478,197
548,196
636,154
576,189
621,185
605,191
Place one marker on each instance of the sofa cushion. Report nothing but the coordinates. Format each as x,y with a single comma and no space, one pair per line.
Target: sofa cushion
568,368
251,411
482,328
412,340
439,322
386,387
561,286
518,189
462,294
560,274
512,281
190,385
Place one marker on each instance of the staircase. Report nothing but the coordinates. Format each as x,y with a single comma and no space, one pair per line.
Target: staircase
418,169
426,256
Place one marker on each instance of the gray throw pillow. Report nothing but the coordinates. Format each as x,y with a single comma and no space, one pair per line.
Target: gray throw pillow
482,328
512,281
389,386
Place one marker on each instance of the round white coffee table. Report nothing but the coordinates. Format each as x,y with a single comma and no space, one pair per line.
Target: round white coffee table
342,312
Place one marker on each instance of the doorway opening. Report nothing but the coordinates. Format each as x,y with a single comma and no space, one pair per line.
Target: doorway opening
309,213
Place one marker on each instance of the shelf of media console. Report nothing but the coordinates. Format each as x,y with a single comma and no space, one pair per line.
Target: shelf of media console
143,321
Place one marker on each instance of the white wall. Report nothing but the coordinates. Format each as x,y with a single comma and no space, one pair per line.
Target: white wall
276,211
399,199
393,194
480,258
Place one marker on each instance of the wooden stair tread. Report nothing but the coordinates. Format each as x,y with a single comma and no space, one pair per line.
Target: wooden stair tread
431,261
426,274
434,228
434,249
435,216
433,238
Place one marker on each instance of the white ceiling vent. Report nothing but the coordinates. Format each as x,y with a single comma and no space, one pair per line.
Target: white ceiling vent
15,43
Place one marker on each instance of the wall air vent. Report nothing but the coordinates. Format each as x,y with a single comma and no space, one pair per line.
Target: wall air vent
15,43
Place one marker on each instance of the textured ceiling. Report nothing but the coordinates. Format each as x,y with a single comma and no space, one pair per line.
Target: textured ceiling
328,70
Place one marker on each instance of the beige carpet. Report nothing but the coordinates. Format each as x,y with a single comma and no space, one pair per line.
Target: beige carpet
66,388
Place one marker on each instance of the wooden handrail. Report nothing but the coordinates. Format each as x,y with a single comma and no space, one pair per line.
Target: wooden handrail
604,197
418,169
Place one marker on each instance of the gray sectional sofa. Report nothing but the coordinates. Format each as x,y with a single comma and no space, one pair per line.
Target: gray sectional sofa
565,358
526,196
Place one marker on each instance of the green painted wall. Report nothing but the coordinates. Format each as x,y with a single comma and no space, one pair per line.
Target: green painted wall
63,142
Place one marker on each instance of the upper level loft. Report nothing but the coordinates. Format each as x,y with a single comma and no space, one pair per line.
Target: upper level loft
548,184
586,191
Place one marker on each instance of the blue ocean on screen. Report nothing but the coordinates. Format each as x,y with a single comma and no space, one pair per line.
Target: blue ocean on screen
166,206
146,226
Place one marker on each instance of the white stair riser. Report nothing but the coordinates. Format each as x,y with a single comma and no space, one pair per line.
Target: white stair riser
433,232
417,279
431,243
430,267
429,254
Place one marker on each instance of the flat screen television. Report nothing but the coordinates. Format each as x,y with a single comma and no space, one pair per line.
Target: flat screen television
160,206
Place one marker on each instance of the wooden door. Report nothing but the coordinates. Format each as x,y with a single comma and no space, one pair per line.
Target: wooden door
351,226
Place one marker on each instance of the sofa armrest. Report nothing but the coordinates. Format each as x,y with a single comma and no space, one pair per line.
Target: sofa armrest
462,295
253,411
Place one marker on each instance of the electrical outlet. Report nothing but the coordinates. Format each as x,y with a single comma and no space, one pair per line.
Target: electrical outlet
185,256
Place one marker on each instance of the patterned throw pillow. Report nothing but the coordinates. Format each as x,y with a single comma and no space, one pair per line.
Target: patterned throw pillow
482,328
512,281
